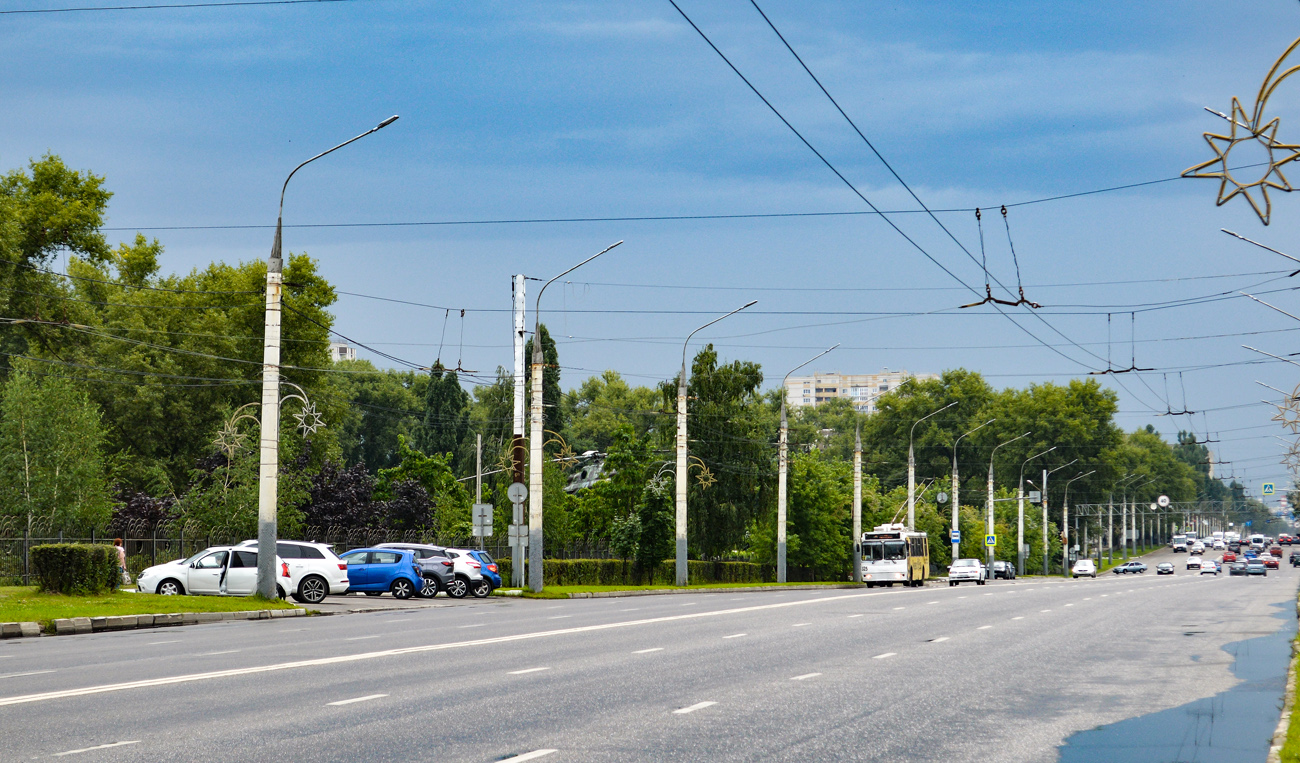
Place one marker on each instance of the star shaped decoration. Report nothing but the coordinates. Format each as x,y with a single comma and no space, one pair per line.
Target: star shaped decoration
1288,413
566,458
229,440
1251,137
705,478
658,485
309,419
1292,457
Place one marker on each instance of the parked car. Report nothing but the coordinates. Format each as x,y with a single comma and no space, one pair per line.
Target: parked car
1237,568
1270,561
215,571
1084,567
1255,567
1004,570
436,568
967,571
375,571
480,586
315,566
1208,567
488,566
467,574
1165,568
1133,566
1193,562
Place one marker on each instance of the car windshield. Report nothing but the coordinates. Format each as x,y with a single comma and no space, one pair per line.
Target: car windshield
885,551
965,563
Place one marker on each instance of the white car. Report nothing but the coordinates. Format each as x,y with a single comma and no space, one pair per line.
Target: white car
1198,547
1193,562
315,568
1219,545
1084,567
215,571
967,571
480,587
1209,567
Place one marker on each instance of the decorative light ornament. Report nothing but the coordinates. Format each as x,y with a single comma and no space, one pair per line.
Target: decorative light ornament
309,419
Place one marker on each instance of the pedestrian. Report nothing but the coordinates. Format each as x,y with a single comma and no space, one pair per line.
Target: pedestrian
121,560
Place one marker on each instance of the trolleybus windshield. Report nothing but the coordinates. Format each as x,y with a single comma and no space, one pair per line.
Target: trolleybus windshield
884,551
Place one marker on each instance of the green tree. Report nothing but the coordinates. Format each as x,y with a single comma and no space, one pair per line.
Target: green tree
373,409
52,465
599,409
819,518
655,516
552,411
598,508
449,515
446,416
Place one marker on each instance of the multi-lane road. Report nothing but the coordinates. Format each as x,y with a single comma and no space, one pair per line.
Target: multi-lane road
1003,672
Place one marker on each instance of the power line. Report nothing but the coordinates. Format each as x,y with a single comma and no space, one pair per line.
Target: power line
162,6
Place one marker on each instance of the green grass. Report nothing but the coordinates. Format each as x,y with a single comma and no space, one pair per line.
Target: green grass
563,591
1290,752
28,604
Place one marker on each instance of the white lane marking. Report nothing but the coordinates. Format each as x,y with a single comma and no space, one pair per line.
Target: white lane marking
557,606
214,654
1044,610
534,755
1020,617
883,656
156,643
805,676
689,603
648,651
1087,598
853,616
31,673
736,635
96,747
347,658
932,602
961,597
693,708
526,670
362,638
988,594
937,640
983,627
558,617
633,609
897,608
800,625
475,625
355,699
1069,605
401,620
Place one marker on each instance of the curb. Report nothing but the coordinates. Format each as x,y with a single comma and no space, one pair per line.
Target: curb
76,625
682,591
1288,706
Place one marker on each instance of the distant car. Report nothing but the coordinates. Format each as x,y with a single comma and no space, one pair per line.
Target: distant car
491,572
1004,570
1285,540
467,577
1270,561
1208,567
1251,553
1198,548
1237,568
1127,567
1084,568
315,567
1295,558
480,586
967,571
1228,556
375,571
1234,547
1165,568
215,571
1219,545
1256,567
1193,562
436,567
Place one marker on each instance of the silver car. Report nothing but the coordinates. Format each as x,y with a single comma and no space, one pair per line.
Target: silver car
967,571
466,577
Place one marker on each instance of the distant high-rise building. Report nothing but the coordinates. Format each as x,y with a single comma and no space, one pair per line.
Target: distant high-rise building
340,351
861,389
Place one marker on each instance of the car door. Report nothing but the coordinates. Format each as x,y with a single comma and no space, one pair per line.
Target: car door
383,568
358,570
205,573
241,575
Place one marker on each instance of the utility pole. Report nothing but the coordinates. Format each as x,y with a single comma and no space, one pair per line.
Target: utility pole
1022,550
1110,529
517,440
857,506
991,528
478,475
782,472
269,438
1046,551
1123,521
1065,524
956,484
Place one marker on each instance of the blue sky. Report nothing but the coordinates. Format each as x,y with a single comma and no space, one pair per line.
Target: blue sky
513,111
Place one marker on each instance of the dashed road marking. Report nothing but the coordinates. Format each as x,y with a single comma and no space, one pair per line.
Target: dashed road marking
693,708
853,616
96,747
474,625
558,617
534,755
736,635
359,638
526,670
883,656
805,676
366,698
648,651
937,640
800,625
214,654
1018,617
156,643
932,602
897,608
1044,610
983,627
29,673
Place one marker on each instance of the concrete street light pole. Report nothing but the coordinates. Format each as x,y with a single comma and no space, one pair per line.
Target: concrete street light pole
956,483
537,435
1020,513
911,468
782,470
1046,545
1065,524
269,466
682,567
988,553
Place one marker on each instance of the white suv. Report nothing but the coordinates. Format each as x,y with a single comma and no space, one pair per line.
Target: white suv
314,567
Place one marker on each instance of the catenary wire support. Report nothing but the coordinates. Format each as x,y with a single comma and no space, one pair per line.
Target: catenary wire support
1133,366
984,264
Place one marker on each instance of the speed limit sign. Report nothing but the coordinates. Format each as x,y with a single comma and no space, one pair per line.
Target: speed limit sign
1163,501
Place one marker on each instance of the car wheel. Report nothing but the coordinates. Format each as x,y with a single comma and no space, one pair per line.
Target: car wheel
951,584
402,589
170,587
457,588
430,588
481,589
313,589
279,591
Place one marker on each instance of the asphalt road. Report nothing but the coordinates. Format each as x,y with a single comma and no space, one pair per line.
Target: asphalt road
1003,672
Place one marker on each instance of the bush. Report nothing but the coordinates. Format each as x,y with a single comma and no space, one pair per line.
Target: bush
582,572
76,568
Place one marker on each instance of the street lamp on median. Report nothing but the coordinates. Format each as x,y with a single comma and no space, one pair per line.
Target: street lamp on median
1020,513
1065,524
1110,525
269,465
536,436
956,527
681,447
1046,546
989,549
911,468
782,467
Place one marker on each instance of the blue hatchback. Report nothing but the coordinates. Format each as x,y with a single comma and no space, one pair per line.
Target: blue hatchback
488,567
376,570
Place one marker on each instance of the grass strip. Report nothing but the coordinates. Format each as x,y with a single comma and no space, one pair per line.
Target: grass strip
29,604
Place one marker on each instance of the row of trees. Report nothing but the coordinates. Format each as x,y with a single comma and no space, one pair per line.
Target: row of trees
120,386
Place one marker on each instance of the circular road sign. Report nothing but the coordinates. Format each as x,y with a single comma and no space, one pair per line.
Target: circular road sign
1163,501
942,497
517,492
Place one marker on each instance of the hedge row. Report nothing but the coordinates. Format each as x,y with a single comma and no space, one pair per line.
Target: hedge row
76,568
573,572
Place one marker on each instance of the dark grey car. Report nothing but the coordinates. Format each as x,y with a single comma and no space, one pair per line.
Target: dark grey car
435,566
1004,571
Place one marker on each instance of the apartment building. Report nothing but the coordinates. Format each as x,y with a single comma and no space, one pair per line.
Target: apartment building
340,351
861,389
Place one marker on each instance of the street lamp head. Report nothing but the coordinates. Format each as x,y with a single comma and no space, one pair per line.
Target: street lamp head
387,122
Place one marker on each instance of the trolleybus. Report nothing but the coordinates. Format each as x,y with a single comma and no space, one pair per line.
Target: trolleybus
891,554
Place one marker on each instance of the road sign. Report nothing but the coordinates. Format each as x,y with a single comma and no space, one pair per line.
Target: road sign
482,520
1035,496
1269,488
990,540
519,536
1153,507
1163,501
942,497
517,492
955,535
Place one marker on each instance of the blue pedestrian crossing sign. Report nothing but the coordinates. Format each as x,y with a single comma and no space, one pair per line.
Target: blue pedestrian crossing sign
990,540
955,536
1269,488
